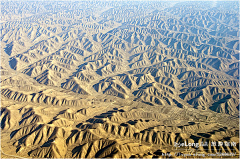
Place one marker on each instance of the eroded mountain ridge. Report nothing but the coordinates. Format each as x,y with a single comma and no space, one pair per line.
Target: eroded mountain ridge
118,79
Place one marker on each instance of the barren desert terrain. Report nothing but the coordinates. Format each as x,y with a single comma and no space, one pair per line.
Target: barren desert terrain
119,79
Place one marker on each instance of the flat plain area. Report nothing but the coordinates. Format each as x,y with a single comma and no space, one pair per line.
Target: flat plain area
119,79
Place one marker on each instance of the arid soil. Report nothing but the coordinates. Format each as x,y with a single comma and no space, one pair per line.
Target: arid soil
103,79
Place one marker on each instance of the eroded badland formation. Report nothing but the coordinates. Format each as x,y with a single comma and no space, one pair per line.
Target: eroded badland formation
120,79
